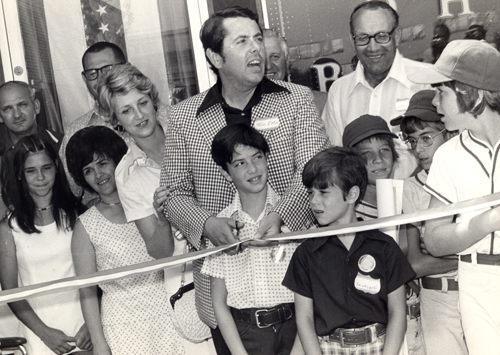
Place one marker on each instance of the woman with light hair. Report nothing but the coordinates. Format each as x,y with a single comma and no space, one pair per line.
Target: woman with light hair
132,101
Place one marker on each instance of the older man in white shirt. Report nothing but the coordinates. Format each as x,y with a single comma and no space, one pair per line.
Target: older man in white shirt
379,85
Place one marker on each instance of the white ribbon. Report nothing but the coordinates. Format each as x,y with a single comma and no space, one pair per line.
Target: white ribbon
71,283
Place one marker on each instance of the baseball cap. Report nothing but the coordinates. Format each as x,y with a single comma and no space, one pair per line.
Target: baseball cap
468,61
364,127
421,107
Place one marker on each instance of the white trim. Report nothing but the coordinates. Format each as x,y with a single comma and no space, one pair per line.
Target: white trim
11,41
264,13
198,14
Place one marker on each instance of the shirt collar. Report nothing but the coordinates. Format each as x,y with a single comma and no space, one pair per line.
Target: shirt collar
214,95
319,242
397,72
272,199
137,155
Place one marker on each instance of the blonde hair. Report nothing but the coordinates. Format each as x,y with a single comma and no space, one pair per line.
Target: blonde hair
121,80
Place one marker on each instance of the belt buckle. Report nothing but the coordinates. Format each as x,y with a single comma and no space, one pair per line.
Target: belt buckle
341,338
257,312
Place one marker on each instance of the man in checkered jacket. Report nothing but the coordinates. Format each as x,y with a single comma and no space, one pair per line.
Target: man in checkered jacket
283,112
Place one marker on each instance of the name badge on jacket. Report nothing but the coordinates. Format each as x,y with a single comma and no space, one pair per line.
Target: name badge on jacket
266,123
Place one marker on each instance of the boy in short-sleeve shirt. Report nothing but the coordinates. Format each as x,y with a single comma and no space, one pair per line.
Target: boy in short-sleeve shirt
255,313
467,166
349,289
441,325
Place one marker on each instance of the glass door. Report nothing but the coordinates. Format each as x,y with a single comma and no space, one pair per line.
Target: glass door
42,42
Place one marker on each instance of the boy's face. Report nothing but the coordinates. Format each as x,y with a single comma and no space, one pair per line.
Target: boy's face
378,156
423,154
446,104
247,170
329,206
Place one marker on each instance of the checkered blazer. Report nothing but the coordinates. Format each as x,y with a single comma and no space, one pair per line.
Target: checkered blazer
198,189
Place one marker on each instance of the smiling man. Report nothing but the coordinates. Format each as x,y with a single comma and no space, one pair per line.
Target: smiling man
283,112
379,85
276,55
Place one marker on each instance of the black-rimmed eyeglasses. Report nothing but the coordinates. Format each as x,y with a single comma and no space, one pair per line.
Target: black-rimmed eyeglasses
380,38
425,140
92,74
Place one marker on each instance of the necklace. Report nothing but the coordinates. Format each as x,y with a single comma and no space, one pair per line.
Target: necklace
44,208
111,204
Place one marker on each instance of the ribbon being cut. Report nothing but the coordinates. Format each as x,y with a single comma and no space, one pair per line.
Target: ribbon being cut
108,275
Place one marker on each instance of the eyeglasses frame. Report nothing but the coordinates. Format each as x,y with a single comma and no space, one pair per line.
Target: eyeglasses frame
419,140
390,33
98,70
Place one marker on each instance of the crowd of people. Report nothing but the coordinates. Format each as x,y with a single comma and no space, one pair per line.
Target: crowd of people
134,180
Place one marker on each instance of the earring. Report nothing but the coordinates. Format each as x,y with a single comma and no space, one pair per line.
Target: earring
119,128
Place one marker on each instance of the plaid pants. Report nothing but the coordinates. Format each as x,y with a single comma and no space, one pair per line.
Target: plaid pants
334,348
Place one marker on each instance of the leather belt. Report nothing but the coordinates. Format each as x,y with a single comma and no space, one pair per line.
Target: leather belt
264,317
484,259
357,336
439,283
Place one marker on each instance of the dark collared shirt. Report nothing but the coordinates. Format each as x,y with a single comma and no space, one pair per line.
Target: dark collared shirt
54,138
234,115
349,288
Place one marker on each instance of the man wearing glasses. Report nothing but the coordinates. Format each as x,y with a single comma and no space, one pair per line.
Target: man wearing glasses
379,85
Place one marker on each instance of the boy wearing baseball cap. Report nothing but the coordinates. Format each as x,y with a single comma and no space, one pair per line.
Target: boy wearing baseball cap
424,133
371,137
467,77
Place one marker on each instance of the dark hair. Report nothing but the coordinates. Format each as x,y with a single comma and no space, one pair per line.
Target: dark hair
229,137
467,97
444,29
475,32
336,166
373,5
89,143
100,46
384,138
121,80
412,124
65,206
213,32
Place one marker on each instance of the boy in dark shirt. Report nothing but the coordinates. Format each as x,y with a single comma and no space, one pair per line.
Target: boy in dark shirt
349,289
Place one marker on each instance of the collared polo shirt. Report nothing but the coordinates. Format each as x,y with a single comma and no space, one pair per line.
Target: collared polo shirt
463,168
234,115
349,288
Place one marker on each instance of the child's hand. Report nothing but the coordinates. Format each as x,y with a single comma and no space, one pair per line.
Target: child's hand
82,338
57,341
270,225
221,231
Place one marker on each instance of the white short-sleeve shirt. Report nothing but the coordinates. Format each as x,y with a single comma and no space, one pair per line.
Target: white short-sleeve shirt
463,168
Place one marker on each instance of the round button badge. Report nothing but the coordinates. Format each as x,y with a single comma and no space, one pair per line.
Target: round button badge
367,263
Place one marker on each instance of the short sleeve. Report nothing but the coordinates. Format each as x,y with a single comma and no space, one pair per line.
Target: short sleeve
440,182
136,192
297,277
213,265
398,269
